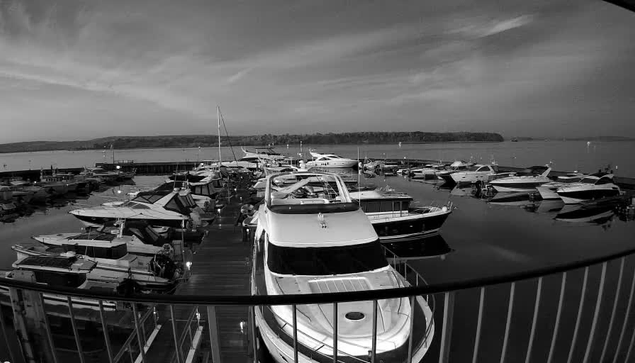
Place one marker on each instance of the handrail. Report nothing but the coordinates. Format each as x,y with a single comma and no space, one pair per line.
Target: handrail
321,298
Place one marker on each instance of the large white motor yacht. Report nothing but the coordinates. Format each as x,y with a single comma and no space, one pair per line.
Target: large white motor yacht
478,172
330,161
589,188
525,181
312,238
171,210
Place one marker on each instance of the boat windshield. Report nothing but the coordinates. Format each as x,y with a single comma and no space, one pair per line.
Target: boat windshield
311,189
589,180
317,261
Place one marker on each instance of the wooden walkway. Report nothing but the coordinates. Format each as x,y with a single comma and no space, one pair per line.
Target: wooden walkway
220,266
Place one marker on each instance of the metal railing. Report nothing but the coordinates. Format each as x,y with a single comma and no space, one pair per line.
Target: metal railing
573,312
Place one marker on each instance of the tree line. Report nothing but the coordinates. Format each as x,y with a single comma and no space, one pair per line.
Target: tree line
190,141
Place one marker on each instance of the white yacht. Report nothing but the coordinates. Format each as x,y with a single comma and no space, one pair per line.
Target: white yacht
262,154
589,188
60,272
139,237
524,181
478,172
113,263
157,210
549,190
330,161
394,218
323,243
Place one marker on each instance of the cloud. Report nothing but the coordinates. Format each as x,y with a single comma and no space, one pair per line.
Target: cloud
482,28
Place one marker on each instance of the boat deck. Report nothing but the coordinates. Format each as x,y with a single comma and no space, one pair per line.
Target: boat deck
220,266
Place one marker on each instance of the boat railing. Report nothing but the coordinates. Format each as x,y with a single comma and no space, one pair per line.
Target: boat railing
577,311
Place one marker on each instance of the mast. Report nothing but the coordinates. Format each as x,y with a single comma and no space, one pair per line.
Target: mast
219,154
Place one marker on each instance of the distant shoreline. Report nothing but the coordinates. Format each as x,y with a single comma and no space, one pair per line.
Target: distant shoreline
194,141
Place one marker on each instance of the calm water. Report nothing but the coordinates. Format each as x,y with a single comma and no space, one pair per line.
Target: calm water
486,240
565,155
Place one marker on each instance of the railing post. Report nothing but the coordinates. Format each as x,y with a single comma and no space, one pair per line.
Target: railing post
615,301
596,314
47,329
628,313
558,314
335,318
446,330
479,320
104,327
577,320
177,349
142,344
534,320
413,301
373,350
510,309
74,325
214,337
295,334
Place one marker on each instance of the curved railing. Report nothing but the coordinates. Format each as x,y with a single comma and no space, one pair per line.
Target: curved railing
545,311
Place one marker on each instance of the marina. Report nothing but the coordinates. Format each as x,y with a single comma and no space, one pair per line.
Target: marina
220,262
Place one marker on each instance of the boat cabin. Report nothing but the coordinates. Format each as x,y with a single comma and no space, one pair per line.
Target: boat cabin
56,271
97,249
310,193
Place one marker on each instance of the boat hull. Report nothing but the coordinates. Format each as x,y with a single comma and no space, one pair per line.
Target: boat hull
580,196
392,227
514,187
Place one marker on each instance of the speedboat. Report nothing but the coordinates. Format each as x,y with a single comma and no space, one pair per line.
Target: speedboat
323,243
478,172
524,181
158,273
394,219
589,188
66,272
330,161
157,210
139,237
549,190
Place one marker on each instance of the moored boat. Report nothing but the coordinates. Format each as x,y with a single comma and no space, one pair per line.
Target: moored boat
589,188
62,271
395,219
330,160
320,244
524,181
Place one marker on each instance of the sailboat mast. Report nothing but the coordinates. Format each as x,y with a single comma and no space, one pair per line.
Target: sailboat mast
219,154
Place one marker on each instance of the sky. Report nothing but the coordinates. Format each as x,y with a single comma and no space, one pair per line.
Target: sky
73,70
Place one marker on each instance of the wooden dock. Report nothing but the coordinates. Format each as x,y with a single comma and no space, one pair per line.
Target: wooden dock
220,266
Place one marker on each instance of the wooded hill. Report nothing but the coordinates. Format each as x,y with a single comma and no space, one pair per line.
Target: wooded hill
189,141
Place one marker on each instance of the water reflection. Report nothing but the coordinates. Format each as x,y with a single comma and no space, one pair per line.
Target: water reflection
427,247
13,209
